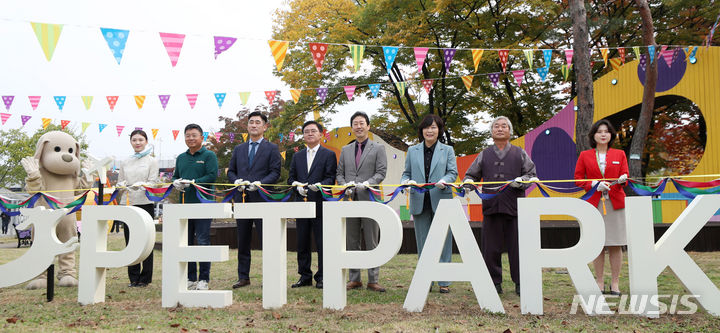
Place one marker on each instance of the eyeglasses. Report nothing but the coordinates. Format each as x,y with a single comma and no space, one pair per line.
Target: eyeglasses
309,131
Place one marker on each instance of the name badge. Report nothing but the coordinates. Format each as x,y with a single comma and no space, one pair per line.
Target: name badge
615,162
201,162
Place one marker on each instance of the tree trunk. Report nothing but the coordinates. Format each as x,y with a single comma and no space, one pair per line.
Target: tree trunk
583,74
637,145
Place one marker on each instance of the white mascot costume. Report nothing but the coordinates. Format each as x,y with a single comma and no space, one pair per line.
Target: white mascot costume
56,167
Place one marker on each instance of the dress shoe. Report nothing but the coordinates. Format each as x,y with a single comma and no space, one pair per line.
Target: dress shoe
445,290
302,283
132,284
517,289
141,285
354,285
614,293
319,285
375,287
241,283
498,288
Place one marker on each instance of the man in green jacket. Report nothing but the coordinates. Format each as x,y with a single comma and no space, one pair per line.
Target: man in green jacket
196,165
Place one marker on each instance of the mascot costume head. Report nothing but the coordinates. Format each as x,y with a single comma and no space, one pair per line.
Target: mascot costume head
55,168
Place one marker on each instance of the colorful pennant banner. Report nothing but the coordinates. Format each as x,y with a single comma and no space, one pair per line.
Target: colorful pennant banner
60,101
4,117
116,40
220,98
318,51
34,101
477,55
357,54
244,97
48,36
173,45
8,101
87,101
349,92
448,55
24,119
420,55
140,101
390,53
192,98
222,44
279,50
164,99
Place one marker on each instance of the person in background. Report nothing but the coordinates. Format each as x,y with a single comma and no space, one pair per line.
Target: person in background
141,169
362,164
254,162
501,162
312,167
603,162
430,161
196,165
5,222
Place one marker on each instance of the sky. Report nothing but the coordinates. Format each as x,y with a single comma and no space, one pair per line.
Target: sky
83,65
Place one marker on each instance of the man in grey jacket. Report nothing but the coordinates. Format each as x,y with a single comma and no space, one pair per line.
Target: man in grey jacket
363,163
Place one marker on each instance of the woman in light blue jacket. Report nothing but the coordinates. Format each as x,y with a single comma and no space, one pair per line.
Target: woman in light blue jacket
430,161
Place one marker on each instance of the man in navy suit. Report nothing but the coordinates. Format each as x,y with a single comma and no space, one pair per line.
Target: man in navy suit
311,167
254,162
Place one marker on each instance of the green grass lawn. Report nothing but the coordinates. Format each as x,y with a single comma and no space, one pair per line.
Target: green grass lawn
140,308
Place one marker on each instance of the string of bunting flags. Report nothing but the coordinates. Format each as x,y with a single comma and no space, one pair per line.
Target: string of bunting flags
689,189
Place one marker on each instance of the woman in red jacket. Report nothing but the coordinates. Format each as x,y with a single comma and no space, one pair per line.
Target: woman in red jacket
606,163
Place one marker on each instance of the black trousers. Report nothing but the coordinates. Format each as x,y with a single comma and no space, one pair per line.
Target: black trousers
141,273
500,230
306,230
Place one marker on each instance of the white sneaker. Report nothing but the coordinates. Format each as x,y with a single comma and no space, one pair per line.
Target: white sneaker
192,285
202,285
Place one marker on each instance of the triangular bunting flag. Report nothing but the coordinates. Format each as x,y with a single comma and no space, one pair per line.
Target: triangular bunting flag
318,51
316,115
663,48
295,94
477,55
244,97
349,92
85,126
119,129
621,52
519,76
220,98
48,36
565,71
636,49
547,57
604,53
222,44
279,50
8,101
503,54
668,55
116,40
543,72
291,136
192,98
244,136
427,84
390,52
139,101
401,87
356,51
420,55
231,136
569,56
87,101
112,100
64,123
467,80
34,101
164,99
101,127
322,94
529,57
651,52
154,132
218,135
615,63
643,61
688,51
4,117
448,55
282,154
494,78
374,89
270,96
60,101
46,122
25,119
173,45
175,134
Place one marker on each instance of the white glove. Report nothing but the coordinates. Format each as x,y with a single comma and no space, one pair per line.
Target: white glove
238,181
622,179
179,184
440,184
302,191
121,184
468,185
603,187
534,179
254,186
31,166
362,186
315,187
297,183
136,186
409,182
517,182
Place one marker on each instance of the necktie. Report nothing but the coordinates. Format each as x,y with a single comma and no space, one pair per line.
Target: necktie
253,149
310,158
358,154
